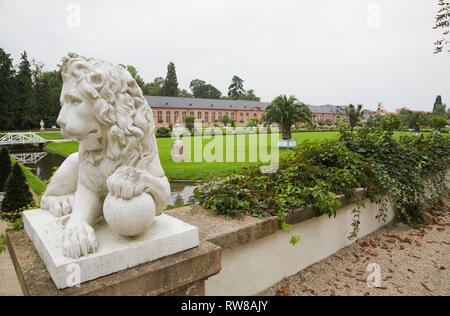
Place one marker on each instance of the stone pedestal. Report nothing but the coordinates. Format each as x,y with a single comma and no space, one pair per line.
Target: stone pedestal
183,273
167,236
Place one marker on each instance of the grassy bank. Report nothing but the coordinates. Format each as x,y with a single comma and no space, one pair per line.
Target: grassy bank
36,185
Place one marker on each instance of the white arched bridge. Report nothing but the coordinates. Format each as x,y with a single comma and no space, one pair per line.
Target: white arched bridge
21,138
29,158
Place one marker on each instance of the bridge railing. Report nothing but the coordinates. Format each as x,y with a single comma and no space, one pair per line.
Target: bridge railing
21,138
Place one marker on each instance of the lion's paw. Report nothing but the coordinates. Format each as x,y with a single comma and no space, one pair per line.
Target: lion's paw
78,241
58,205
126,183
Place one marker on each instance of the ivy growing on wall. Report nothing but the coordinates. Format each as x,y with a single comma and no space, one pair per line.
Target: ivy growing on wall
402,172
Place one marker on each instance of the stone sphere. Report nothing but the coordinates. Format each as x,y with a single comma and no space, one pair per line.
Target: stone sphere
129,217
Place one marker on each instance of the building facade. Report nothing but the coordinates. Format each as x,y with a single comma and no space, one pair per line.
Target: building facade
325,112
173,110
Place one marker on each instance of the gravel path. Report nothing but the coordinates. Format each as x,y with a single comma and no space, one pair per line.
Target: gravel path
411,262
8,279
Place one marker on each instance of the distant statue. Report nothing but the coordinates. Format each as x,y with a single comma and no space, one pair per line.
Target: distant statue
42,124
177,152
117,172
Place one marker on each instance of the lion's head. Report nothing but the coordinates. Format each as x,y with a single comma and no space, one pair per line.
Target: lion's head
104,109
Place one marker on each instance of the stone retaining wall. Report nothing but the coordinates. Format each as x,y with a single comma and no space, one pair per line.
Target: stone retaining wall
256,254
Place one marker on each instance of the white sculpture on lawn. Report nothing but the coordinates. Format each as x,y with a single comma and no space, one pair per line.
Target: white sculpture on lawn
117,172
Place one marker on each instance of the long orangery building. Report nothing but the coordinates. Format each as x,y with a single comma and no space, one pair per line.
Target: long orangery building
173,110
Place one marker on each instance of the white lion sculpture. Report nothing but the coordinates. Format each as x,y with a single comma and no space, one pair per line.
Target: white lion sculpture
103,108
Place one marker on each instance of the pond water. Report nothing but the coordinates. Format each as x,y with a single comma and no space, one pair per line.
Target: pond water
44,167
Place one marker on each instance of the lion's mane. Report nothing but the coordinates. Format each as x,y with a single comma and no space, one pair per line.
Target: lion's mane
119,105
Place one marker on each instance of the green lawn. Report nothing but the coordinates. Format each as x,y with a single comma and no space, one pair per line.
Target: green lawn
199,170
51,135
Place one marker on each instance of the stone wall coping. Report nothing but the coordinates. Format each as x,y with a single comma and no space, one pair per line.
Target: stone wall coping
185,270
234,232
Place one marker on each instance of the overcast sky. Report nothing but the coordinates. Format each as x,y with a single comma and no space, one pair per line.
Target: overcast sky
323,52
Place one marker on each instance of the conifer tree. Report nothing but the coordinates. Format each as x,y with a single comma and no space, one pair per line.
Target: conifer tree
25,95
5,168
170,87
17,192
8,91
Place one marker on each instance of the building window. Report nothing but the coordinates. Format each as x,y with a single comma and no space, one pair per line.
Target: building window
232,115
192,114
220,115
254,114
226,114
206,117
176,116
183,116
199,115
168,117
213,117
160,117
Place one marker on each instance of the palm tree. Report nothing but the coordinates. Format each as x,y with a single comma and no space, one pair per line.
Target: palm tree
287,112
354,115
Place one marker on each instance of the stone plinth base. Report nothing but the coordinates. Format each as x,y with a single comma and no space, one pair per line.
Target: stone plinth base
167,236
183,273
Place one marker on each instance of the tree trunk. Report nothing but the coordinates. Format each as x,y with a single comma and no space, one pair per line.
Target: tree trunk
286,132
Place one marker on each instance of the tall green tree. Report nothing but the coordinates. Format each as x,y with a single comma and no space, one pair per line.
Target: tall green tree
287,112
236,87
438,100
200,89
170,87
439,108
249,95
155,87
5,167
139,80
184,94
405,111
8,92
26,107
354,115
390,122
17,192
47,89
438,122
416,121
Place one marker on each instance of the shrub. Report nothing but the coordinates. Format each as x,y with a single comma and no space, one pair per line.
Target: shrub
17,193
5,167
404,172
189,122
163,132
